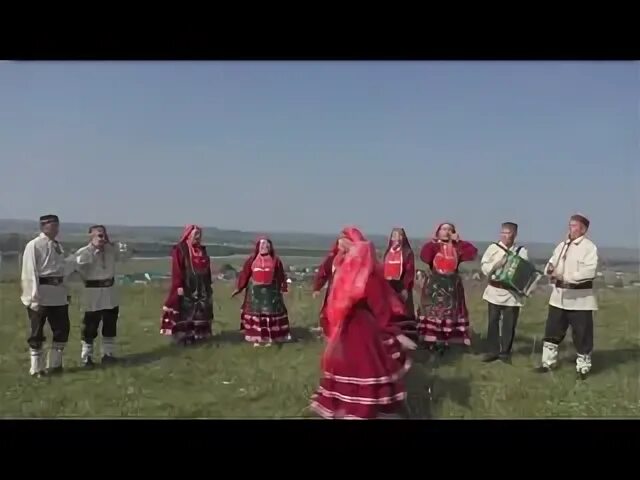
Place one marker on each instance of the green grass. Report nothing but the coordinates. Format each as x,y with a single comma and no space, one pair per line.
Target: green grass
227,378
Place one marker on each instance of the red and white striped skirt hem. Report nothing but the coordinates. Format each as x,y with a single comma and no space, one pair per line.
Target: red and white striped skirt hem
344,397
266,328
433,330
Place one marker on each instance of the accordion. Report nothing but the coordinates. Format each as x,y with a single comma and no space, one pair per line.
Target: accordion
517,274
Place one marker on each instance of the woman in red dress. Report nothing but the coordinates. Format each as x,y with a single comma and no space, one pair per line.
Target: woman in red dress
364,362
444,318
188,309
264,315
324,277
400,272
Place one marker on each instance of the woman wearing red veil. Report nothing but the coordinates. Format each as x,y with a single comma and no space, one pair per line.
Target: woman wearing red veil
264,315
324,277
188,309
444,318
364,361
400,272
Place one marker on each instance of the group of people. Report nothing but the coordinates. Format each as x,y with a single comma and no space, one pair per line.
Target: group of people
368,317
45,269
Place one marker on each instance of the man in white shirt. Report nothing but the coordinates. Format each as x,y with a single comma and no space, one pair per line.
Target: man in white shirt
96,264
572,268
503,302
45,295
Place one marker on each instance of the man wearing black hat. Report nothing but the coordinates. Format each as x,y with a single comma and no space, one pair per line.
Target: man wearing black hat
572,269
96,264
503,302
45,295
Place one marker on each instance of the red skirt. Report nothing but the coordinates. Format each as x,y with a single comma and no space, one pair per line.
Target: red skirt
362,375
264,315
266,328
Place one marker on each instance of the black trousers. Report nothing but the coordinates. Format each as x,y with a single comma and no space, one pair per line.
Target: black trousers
581,323
58,318
91,323
501,344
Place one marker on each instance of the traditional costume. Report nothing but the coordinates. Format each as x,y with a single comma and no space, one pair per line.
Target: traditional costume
503,302
400,271
572,303
188,309
101,303
264,314
364,363
323,277
444,318
45,295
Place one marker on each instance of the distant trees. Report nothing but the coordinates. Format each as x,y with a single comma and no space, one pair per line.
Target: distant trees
12,242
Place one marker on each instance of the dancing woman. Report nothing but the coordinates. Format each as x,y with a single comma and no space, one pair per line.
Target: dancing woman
264,314
188,309
364,362
400,271
323,277
444,318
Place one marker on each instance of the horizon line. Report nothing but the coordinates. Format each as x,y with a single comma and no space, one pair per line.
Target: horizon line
282,232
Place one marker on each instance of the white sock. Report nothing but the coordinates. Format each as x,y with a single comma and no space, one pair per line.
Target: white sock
108,346
583,363
37,361
549,354
87,351
55,354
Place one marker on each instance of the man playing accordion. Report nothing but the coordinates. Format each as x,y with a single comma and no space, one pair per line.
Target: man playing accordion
504,302
572,269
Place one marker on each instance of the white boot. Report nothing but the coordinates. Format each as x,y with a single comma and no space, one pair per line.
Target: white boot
583,363
108,346
55,356
37,361
87,353
549,354
108,350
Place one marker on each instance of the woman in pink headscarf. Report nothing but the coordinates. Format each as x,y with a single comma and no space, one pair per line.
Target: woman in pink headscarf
188,309
364,361
443,317
264,315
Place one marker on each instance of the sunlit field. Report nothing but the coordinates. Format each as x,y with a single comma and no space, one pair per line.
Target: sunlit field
228,378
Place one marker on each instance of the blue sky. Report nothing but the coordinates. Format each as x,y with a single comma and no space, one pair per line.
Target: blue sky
311,146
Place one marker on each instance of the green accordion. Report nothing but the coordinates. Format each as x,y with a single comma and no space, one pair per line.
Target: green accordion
517,274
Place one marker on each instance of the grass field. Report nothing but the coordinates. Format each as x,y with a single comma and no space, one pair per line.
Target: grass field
227,378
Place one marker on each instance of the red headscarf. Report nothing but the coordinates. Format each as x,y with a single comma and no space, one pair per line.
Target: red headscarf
435,234
446,260
194,251
270,260
406,246
350,280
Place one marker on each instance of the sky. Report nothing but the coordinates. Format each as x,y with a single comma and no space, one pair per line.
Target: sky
314,146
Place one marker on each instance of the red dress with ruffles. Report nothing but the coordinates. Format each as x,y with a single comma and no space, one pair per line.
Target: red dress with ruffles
363,368
264,315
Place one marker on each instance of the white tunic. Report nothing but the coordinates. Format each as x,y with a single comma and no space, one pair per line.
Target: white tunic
94,265
580,265
488,265
41,258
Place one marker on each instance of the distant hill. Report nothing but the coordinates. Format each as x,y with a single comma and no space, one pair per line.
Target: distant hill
235,241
